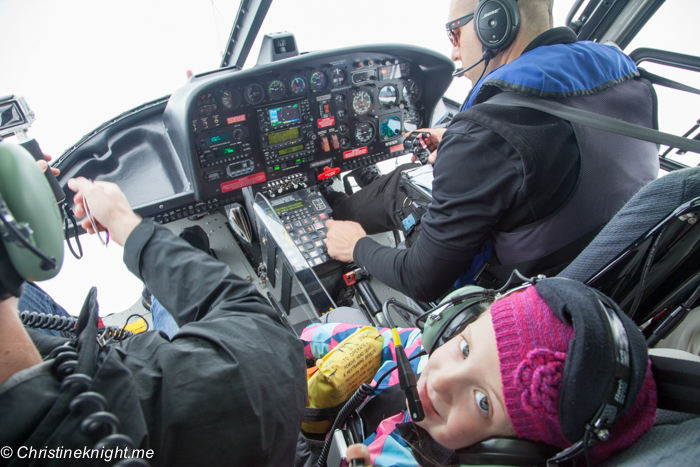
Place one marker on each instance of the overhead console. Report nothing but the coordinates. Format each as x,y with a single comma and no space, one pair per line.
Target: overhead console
288,124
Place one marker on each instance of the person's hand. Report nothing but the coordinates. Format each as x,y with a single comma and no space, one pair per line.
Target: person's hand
342,237
43,165
108,206
432,143
358,451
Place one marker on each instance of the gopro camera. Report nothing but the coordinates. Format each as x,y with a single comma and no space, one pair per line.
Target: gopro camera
15,115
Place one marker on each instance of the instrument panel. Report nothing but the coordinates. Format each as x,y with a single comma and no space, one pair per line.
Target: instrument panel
291,123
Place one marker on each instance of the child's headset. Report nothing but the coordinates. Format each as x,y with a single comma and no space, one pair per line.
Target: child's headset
30,222
587,412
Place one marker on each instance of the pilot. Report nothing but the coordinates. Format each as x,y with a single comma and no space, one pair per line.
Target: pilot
228,390
513,188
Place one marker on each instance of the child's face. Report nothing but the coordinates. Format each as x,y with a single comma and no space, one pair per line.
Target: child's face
461,391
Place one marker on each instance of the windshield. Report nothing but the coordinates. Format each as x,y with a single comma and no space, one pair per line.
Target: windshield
80,63
320,25
85,62
678,111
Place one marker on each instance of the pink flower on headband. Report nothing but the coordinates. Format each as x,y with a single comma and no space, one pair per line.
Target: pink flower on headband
538,379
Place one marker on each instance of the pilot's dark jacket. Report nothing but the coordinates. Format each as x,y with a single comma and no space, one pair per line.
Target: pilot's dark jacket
229,390
535,186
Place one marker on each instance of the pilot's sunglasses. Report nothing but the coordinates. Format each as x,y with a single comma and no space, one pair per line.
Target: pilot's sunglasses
452,26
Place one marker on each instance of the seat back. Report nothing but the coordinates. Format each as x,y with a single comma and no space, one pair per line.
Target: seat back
647,258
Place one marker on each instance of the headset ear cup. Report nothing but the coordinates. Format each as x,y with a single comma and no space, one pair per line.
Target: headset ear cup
496,23
28,196
435,329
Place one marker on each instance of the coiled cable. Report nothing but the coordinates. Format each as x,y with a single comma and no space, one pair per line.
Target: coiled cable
350,406
68,324
97,422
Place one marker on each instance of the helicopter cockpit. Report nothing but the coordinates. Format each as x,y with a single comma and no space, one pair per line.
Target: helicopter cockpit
241,151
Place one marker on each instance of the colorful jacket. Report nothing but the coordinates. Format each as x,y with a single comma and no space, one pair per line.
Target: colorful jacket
386,446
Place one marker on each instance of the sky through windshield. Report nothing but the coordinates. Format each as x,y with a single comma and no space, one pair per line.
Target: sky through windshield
80,63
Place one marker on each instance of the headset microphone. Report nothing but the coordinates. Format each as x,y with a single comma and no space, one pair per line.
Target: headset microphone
488,55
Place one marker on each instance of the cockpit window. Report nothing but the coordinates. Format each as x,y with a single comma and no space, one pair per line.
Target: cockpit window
678,110
85,64
320,24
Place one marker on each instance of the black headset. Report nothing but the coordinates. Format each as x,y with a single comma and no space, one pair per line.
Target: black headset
496,23
31,246
587,411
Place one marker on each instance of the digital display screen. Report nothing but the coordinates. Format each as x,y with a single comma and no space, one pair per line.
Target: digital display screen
289,207
227,152
218,139
296,148
286,114
283,136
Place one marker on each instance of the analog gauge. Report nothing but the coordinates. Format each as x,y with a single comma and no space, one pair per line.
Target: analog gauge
364,132
298,86
231,99
344,142
411,91
362,102
412,121
343,128
390,127
341,113
254,93
276,90
388,95
338,77
319,81
340,100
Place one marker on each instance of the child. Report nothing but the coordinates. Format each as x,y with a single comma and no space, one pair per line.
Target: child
502,374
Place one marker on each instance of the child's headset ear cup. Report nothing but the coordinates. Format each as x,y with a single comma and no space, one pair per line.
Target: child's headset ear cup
440,325
27,200
496,23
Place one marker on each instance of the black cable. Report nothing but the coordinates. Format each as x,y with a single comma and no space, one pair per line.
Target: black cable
586,452
138,316
361,394
34,319
69,216
350,406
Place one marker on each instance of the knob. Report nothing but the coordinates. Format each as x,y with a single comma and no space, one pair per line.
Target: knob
311,135
237,134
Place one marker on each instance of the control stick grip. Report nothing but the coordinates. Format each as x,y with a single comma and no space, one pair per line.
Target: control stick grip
33,147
